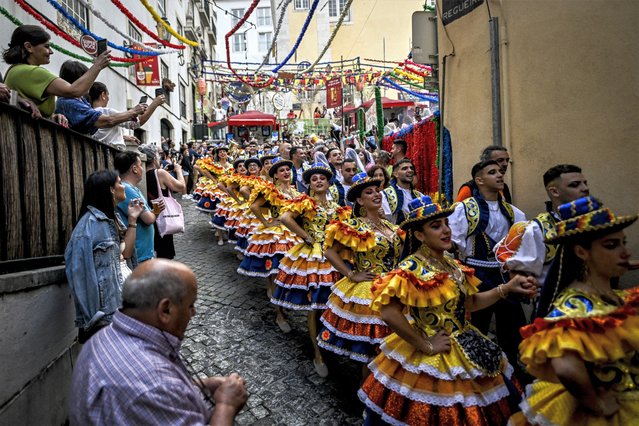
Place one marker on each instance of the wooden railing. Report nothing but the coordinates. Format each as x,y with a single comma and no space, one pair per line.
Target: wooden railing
43,167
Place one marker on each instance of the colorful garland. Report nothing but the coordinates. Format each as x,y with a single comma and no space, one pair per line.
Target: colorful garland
54,46
85,31
410,92
57,31
311,12
227,37
143,27
330,39
131,40
280,21
159,20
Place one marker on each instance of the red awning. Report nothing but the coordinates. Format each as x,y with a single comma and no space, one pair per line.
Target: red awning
252,118
388,103
215,124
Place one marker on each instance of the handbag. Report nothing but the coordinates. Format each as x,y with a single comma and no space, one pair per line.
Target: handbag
170,220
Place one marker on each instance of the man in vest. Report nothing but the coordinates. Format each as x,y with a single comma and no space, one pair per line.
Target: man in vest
492,152
476,224
400,192
523,250
298,157
339,189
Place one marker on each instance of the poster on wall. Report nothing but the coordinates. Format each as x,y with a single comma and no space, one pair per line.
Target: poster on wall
455,9
147,73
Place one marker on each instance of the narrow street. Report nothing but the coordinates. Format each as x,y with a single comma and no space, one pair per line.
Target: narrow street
234,331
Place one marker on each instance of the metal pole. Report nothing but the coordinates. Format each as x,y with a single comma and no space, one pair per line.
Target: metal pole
341,80
494,73
440,147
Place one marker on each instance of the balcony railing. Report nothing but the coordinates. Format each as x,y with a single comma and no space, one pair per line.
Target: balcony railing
43,167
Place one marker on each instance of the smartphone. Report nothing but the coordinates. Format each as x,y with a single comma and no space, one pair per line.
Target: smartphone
102,46
159,91
143,99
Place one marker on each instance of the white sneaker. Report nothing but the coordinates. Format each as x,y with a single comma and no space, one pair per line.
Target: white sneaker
220,242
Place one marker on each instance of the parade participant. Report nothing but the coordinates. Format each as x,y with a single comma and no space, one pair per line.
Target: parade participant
400,192
335,159
494,153
240,208
438,369
372,246
132,171
225,206
523,250
398,153
95,257
271,240
305,277
248,223
29,48
156,177
584,352
477,224
339,189
133,373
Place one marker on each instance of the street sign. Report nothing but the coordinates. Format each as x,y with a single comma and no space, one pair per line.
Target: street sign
89,44
279,102
455,9
424,48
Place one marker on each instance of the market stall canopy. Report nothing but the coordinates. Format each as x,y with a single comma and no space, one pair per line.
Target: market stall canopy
388,103
252,118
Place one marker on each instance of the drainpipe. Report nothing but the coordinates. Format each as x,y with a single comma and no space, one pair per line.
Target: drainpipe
495,74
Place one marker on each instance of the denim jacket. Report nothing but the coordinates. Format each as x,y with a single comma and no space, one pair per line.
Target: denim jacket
92,259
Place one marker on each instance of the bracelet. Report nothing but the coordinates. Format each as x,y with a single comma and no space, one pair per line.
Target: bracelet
135,225
430,347
500,291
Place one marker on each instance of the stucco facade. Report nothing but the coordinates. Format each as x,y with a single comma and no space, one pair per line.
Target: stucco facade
569,92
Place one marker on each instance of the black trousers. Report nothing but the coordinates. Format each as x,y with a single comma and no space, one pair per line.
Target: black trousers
509,318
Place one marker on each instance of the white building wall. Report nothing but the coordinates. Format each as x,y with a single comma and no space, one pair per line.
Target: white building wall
120,81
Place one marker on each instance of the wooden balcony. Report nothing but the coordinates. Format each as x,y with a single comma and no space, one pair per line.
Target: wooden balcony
43,167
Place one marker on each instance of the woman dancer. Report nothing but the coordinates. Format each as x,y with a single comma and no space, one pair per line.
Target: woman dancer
271,240
373,247
585,352
227,203
305,276
438,369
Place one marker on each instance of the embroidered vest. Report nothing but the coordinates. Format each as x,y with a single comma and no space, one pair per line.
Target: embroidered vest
548,225
337,192
477,216
395,197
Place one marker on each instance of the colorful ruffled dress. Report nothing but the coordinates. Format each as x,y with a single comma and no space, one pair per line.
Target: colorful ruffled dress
247,222
350,326
604,336
305,277
226,204
470,385
267,245
210,193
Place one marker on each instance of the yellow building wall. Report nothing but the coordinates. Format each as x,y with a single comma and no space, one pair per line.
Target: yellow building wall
570,94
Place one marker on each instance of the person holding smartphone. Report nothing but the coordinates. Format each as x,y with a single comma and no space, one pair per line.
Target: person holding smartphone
99,98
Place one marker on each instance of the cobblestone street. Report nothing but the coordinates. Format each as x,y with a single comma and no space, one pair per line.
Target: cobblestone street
234,330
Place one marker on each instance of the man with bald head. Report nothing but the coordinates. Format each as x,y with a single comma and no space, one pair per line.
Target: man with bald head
131,372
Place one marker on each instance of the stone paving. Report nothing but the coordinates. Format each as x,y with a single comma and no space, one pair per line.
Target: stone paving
234,330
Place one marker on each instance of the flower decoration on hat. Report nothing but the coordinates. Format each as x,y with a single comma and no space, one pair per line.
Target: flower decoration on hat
317,168
277,163
360,182
423,209
586,215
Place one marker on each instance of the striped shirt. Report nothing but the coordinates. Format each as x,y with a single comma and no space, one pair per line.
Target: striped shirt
130,373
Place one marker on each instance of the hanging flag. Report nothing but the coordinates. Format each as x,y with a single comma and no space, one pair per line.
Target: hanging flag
334,93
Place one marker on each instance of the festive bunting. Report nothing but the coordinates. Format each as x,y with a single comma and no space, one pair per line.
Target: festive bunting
141,26
54,46
85,31
280,21
311,12
160,21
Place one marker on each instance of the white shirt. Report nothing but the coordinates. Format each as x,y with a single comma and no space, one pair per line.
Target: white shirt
524,251
408,197
496,229
113,135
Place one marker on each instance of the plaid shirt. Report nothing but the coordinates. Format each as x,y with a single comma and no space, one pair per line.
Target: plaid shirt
128,373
